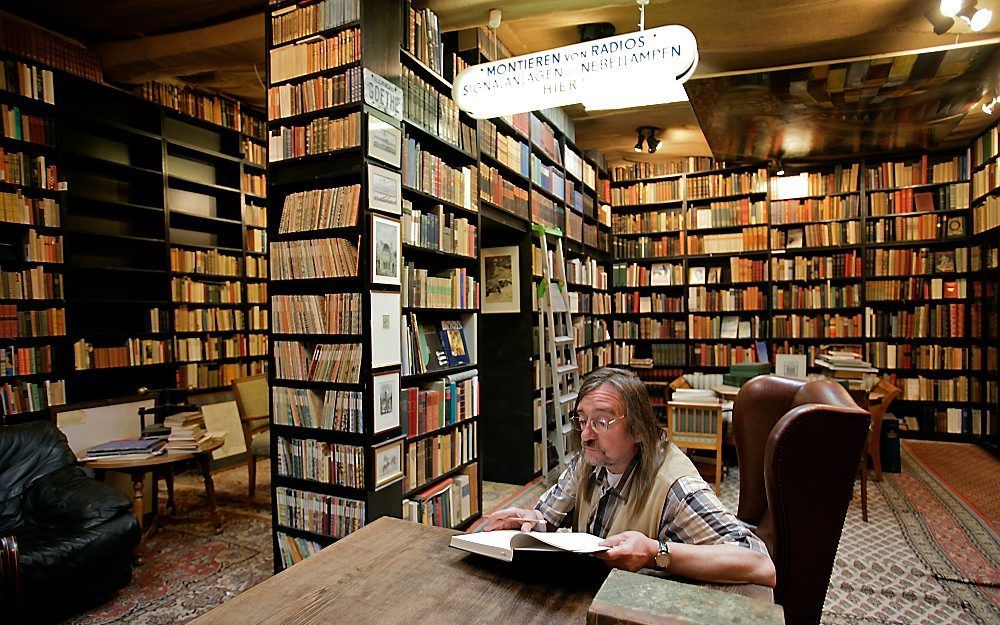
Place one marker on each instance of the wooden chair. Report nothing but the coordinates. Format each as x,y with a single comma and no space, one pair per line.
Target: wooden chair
255,416
878,403
697,426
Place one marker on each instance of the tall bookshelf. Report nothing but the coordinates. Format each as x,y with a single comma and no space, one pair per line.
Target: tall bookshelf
33,340
984,278
158,284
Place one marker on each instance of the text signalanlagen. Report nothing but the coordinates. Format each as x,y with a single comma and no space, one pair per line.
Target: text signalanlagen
636,69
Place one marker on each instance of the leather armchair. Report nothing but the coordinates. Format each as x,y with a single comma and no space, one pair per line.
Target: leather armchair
72,536
799,446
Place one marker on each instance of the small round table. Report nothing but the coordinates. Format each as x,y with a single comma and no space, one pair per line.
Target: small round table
137,470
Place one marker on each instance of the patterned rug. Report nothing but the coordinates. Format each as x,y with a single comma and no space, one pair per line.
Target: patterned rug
189,568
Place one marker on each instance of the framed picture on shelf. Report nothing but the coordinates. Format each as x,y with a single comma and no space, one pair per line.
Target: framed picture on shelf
386,254
388,462
385,313
501,279
795,238
696,275
661,274
385,388
385,190
384,141
790,366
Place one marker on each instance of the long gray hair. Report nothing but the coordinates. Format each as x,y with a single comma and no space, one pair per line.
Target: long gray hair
641,422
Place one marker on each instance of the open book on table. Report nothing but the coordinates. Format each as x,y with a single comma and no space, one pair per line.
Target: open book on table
502,544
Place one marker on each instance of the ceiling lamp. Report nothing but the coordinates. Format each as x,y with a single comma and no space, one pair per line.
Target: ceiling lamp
781,169
943,18
647,135
977,19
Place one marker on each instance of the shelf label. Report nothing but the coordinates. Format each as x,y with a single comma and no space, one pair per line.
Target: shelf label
382,95
635,69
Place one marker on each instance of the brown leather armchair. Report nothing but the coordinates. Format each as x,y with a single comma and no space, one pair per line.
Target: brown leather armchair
799,445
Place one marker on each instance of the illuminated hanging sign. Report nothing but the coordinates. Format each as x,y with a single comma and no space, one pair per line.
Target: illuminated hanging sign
636,69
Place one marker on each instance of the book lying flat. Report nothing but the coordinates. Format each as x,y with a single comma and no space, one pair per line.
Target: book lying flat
502,544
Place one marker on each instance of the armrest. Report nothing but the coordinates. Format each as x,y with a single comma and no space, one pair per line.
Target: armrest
68,498
10,575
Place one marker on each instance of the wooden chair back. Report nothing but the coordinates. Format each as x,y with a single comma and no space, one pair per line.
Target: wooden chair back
695,426
253,404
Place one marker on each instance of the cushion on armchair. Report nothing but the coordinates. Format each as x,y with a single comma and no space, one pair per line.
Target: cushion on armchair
68,498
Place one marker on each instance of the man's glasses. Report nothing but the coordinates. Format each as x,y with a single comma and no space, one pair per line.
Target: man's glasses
598,425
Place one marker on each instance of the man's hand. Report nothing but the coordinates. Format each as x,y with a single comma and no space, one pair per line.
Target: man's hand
514,518
630,551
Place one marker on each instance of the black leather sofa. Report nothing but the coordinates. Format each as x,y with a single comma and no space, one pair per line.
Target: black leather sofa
74,536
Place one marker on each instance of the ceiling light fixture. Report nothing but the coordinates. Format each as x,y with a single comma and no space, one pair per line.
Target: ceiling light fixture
781,169
943,18
647,135
977,19
988,106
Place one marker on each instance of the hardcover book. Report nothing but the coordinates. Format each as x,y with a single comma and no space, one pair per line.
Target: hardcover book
453,341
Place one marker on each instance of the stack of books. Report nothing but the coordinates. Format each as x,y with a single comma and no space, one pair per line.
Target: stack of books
187,433
846,367
740,374
128,449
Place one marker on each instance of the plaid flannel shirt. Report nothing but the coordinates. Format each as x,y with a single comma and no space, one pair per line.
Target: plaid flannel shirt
692,513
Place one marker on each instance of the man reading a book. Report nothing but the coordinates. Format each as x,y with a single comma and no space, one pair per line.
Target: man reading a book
632,486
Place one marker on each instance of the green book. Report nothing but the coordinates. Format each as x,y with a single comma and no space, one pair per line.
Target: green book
634,599
750,368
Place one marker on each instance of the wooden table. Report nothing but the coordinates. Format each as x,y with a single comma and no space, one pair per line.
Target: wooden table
137,470
398,572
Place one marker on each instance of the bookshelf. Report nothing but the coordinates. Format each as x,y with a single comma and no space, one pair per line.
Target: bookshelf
158,274
984,298
33,339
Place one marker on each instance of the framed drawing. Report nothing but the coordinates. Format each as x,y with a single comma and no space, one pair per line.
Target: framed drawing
385,314
501,277
384,190
384,140
790,366
388,462
386,258
385,388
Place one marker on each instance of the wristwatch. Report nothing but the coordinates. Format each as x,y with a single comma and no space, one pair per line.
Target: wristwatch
662,558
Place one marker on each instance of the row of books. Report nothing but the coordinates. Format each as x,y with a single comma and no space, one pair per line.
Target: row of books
17,209
194,102
548,178
546,212
840,180
817,235
593,357
28,170
208,262
256,240
135,352
647,193
986,216
28,81
819,296
436,229
253,183
439,404
727,214
650,329
255,216
330,313
315,94
832,326
35,283
985,180
429,345
824,209
16,323
450,288
254,153
331,362
837,266
721,185
320,209
588,303
296,21
891,356
187,290
42,248
910,262
198,320
293,550
328,515
429,173
510,151
636,302
932,389
914,289
587,330
586,272
648,247
23,396
657,274
920,228
219,347
904,174
330,463
431,457
435,112
700,299
15,124
544,137
937,321
446,504
422,37
343,411
25,360
648,222
749,239
308,57
317,137
256,266
952,197
727,327
216,375
719,355
313,258
497,190
986,146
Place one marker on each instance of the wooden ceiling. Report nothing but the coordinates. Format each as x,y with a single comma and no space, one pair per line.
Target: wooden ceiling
218,44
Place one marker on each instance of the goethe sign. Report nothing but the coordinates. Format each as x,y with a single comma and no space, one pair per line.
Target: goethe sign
645,67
